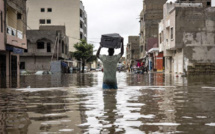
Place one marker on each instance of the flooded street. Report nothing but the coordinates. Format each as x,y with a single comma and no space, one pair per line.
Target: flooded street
76,103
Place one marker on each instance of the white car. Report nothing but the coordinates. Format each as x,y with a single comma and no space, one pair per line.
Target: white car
99,69
42,72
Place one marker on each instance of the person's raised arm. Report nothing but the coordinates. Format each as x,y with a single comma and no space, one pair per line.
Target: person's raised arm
98,52
122,48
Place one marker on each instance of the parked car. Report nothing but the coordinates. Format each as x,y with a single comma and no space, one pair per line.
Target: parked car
23,72
42,72
99,69
93,69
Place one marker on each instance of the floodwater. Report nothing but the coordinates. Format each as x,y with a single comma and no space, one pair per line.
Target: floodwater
75,103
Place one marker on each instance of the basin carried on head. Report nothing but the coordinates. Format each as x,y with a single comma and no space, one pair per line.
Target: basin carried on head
113,40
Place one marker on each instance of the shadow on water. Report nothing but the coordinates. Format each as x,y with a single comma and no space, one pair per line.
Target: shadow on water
75,103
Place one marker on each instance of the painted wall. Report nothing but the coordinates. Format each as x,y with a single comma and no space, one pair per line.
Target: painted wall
2,45
159,62
196,34
18,26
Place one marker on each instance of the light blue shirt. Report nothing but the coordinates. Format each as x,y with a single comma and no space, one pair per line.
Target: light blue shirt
110,68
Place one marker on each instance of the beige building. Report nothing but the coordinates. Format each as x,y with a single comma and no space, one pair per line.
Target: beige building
12,40
186,37
45,45
68,13
132,50
150,16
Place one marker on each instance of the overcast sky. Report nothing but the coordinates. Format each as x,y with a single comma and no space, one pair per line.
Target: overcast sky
113,16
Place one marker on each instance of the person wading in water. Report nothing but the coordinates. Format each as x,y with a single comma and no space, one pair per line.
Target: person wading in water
110,66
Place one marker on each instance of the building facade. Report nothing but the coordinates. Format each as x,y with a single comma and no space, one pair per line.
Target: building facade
205,3
68,13
12,40
150,16
45,45
186,37
132,50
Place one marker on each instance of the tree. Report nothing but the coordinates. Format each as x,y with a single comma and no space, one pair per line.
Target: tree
83,53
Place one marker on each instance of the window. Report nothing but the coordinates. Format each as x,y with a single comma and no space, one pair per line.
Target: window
48,21
81,25
40,45
66,49
141,49
1,21
42,21
62,47
49,9
81,35
42,9
22,65
80,13
208,3
19,16
171,32
26,50
48,47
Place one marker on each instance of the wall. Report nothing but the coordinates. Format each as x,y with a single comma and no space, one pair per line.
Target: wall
204,2
66,12
196,32
36,63
178,62
134,44
2,44
159,62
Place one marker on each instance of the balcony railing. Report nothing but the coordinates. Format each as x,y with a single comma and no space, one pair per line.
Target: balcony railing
13,32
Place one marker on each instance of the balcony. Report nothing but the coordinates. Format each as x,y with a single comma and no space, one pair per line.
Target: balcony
16,38
81,30
82,19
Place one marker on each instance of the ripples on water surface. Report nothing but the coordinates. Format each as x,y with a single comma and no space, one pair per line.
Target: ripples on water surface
150,103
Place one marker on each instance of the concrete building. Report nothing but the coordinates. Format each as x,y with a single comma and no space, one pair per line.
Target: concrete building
68,13
205,3
187,38
132,50
12,40
150,16
47,44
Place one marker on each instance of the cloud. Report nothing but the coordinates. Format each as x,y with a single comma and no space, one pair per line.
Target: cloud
113,16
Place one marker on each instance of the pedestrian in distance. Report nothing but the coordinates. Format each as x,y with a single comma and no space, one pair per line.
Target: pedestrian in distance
110,66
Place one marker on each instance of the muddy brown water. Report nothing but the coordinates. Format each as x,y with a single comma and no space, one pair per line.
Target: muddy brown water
150,103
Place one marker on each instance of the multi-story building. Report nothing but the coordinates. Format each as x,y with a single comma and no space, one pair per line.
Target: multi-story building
150,16
45,45
12,40
132,50
68,13
187,38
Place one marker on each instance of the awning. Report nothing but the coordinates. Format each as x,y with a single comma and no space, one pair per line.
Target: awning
64,64
153,50
15,50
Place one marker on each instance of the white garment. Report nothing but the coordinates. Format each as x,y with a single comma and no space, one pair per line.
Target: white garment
110,68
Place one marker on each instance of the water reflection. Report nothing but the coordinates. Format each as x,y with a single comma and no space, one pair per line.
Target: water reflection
14,118
109,98
149,103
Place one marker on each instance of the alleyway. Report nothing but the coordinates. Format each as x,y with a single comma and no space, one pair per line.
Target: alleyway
76,103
